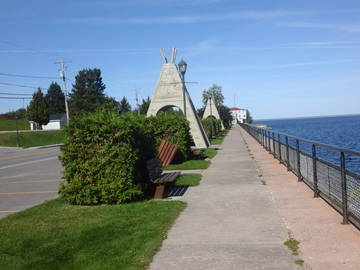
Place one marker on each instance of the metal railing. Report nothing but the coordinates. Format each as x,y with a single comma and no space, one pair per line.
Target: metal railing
333,182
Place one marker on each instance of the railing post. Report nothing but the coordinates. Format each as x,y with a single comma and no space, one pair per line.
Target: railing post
279,142
273,138
316,191
344,189
298,161
287,153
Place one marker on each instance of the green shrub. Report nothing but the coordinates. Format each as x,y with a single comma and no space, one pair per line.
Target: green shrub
105,154
211,126
174,128
102,158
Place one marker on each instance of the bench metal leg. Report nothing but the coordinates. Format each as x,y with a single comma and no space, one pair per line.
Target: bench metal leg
159,192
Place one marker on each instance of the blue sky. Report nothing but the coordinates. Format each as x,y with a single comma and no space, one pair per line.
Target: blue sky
275,58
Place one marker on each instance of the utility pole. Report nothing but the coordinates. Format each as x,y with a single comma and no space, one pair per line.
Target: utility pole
62,76
137,100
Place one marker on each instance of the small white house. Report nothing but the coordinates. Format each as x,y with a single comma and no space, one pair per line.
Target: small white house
56,121
239,115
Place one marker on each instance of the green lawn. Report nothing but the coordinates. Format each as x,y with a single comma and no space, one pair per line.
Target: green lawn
32,138
189,165
8,125
56,235
209,153
220,138
188,180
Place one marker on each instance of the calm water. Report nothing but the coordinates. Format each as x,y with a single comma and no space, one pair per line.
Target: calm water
341,131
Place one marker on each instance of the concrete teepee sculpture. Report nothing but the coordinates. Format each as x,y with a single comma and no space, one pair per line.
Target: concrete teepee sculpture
211,110
171,91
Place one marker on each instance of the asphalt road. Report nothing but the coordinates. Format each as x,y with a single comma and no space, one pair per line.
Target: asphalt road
28,177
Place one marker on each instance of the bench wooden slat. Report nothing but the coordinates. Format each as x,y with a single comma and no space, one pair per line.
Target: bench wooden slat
158,178
166,153
167,177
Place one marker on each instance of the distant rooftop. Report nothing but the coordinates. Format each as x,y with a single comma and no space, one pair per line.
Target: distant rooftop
235,109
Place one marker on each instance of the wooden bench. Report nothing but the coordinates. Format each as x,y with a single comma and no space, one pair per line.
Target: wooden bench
166,153
158,178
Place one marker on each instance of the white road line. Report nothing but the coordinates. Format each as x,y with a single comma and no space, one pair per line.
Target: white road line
27,162
29,192
28,182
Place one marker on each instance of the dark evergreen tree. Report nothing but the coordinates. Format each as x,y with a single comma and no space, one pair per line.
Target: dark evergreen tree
88,92
55,99
144,106
37,110
124,106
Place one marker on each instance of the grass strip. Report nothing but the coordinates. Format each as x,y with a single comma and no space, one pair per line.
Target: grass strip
32,138
9,125
209,153
220,138
56,235
188,180
189,165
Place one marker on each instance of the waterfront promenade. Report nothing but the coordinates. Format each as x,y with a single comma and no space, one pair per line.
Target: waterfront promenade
242,212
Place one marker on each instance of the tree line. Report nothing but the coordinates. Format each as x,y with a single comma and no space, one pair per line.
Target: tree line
87,95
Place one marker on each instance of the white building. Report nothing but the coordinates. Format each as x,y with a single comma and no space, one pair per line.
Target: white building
56,121
239,115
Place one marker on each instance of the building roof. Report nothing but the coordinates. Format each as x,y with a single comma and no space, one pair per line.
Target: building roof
57,116
235,109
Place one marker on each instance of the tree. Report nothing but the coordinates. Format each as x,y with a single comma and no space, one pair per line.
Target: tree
110,104
249,118
19,114
124,106
200,112
215,92
55,99
88,92
37,110
144,106
225,115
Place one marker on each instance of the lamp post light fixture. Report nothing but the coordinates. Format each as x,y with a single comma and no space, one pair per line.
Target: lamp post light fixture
182,68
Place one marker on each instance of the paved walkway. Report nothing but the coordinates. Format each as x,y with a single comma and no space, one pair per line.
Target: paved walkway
231,221
325,244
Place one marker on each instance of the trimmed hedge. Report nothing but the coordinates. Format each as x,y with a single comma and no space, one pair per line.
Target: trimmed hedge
104,155
211,126
174,128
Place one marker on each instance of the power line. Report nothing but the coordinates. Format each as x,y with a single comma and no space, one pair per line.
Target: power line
15,98
28,76
15,94
21,85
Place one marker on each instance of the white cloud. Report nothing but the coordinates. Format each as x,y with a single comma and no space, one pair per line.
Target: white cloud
278,66
119,51
242,15
323,45
148,2
349,27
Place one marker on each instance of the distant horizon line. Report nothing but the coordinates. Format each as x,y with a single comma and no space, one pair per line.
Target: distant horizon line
305,117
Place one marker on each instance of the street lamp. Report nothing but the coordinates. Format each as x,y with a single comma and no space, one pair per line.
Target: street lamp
182,68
